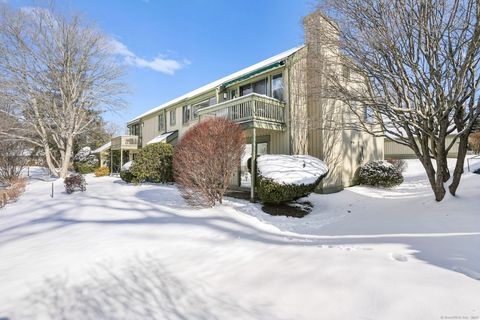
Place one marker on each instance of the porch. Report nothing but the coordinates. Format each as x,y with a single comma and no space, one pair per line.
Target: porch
250,111
122,147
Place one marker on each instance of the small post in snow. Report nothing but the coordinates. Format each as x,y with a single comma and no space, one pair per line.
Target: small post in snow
51,195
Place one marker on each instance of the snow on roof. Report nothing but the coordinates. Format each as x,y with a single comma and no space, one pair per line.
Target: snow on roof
296,169
161,138
106,146
218,82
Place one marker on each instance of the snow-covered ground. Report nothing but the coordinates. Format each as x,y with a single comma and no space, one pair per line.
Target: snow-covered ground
119,251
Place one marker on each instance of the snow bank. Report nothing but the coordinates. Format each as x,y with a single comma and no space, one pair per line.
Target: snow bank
296,169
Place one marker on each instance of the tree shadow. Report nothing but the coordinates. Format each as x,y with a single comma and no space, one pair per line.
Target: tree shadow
140,288
443,246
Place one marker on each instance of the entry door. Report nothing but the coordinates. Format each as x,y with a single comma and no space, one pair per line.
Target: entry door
245,176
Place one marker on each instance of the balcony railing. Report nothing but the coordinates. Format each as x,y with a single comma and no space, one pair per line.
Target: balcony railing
125,143
252,110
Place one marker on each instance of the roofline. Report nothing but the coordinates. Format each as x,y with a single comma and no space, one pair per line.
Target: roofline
202,90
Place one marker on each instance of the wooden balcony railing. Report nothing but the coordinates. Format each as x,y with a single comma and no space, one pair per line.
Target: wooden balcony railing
125,143
250,110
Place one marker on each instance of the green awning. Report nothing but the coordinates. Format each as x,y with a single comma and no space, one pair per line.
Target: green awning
253,73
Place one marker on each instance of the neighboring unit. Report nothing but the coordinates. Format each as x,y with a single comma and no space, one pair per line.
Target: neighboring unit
281,107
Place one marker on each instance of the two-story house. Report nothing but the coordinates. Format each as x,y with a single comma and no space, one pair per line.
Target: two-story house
278,103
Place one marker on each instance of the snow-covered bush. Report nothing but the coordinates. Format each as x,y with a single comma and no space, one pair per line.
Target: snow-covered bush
84,161
154,163
399,164
125,173
380,174
283,178
82,154
206,158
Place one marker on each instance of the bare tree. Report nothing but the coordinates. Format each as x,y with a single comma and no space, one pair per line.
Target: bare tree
14,154
414,69
206,158
57,74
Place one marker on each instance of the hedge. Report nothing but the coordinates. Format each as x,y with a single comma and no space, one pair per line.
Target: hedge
154,163
271,192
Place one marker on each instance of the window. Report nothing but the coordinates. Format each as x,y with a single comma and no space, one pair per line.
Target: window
186,114
259,87
233,94
277,87
136,130
369,114
247,89
173,117
212,101
161,122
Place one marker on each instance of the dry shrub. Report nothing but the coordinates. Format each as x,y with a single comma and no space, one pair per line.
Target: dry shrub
13,159
13,191
205,159
102,171
474,142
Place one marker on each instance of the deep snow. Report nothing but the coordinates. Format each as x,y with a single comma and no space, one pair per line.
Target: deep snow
119,251
287,169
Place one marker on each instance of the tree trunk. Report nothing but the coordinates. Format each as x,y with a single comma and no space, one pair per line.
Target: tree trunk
66,158
457,173
435,178
48,159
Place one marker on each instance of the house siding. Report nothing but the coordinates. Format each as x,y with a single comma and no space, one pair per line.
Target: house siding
396,150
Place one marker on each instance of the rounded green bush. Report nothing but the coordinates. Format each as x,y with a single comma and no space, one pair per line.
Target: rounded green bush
379,174
271,192
84,167
126,176
154,163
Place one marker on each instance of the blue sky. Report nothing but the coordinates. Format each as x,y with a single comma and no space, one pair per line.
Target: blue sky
175,46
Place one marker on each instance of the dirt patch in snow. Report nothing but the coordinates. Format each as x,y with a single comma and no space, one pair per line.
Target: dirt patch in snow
291,209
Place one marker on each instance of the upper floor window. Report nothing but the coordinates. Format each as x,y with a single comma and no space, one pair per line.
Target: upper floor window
186,114
161,122
212,101
173,117
277,87
369,114
259,87
247,89
136,130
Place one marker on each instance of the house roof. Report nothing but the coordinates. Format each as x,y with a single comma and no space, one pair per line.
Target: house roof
163,137
225,80
106,146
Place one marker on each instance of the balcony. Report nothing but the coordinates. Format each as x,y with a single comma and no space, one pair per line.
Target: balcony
125,143
250,111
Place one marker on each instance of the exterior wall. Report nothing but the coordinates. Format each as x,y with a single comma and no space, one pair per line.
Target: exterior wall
316,122
396,150
331,136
